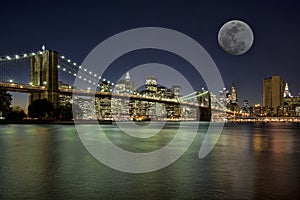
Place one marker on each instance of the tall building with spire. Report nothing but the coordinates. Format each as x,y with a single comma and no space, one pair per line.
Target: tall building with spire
286,93
126,85
233,94
128,82
233,105
127,76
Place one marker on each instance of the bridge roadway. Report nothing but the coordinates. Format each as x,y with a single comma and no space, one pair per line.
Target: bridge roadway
15,87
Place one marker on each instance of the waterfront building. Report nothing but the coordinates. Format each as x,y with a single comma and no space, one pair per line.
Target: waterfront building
232,102
176,90
257,110
64,99
87,106
273,94
161,92
291,106
151,87
105,86
223,97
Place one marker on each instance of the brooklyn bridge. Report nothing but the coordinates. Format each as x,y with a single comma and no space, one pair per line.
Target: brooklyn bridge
109,100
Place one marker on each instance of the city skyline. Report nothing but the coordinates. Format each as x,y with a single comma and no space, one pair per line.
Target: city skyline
275,27
21,99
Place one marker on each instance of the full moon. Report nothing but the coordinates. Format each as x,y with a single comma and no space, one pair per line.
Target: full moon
235,37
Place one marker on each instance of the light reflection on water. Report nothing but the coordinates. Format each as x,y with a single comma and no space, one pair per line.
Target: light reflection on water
250,161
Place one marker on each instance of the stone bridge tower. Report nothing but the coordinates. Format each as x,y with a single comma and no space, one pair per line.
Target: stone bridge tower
44,72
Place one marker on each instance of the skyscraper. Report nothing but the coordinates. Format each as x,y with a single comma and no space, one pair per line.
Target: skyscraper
233,103
233,94
273,92
287,92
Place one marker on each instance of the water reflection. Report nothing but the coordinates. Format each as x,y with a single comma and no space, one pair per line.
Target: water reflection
250,161
276,149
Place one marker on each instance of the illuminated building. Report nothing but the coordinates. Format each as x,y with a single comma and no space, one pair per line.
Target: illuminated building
233,94
232,102
105,86
286,93
273,93
176,90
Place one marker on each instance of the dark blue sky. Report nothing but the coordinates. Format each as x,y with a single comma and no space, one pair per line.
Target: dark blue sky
74,28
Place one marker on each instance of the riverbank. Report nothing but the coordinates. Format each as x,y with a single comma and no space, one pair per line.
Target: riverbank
266,119
57,122
231,120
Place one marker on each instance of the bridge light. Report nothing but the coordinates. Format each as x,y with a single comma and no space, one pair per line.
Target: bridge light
74,74
41,52
84,79
99,77
79,67
63,57
90,81
104,79
70,87
25,55
69,60
64,69
11,81
95,75
17,57
45,83
108,81
90,72
30,83
58,66
33,54
74,64
80,77
88,88
8,57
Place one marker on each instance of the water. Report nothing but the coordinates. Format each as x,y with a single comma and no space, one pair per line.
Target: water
250,161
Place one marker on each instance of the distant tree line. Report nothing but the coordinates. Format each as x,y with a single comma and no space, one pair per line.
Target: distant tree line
5,102
43,109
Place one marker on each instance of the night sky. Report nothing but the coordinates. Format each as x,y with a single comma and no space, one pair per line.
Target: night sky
74,28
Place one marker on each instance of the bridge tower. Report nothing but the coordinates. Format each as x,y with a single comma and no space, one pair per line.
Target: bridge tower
44,72
204,112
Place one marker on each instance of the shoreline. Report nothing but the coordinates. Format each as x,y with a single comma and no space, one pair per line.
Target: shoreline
233,120
57,122
265,120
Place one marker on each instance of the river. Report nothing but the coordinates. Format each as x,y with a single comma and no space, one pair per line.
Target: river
249,161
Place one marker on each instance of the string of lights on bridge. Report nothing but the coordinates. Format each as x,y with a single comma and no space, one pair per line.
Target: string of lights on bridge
84,73
20,56
89,77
